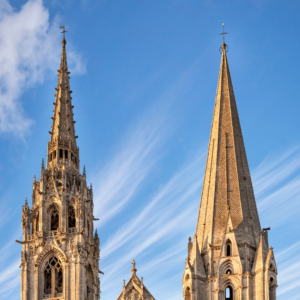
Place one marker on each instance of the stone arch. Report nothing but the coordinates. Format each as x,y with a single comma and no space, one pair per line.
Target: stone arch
227,265
46,254
229,281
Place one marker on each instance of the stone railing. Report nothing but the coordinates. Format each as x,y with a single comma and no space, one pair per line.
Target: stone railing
58,296
38,234
72,230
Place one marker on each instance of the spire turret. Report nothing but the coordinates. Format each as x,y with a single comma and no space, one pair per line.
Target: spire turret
62,144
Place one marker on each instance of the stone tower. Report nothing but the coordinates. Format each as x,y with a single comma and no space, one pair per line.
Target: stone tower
229,257
60,253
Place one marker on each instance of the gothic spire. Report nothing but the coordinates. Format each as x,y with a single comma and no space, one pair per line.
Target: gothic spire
227,183
62,144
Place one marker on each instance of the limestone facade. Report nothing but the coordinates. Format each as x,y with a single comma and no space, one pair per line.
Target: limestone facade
135,288
60,252
229,257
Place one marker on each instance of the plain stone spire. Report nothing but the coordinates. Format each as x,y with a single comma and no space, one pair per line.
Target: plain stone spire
229,258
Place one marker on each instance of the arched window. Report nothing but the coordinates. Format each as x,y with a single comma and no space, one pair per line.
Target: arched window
53,278
54,219
228,248
187,276
272,268
37,223
187,294
272,289
228,272
229,293
72,219
89,281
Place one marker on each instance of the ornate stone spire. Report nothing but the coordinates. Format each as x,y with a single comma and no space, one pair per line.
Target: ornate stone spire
62,144
227,186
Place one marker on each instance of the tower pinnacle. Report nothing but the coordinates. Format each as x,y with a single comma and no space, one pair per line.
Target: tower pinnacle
62,144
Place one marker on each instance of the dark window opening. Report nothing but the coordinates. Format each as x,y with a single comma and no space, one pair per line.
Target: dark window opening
37,223
228,249
72,156
66,154
47,282
75,160
61,153
229,293
54,219
58,281
50,157
187,294
228,272
54,154
72,219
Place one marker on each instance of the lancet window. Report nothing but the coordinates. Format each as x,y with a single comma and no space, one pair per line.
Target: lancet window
54,219
228,248
229,293
53,277
72,219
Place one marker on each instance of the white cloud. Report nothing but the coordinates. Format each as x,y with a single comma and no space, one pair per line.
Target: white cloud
29,48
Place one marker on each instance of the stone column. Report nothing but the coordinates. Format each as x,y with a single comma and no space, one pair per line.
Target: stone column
36,284
52,283
267,289
66,281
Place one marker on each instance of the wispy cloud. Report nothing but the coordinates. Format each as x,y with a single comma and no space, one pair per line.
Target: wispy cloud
288,261
29,48
277,186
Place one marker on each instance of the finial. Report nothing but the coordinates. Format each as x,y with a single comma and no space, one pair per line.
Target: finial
133,270
190,239
123,282
224,46
64,31
91,187
142,280
26,202
84,170
33,178
43,167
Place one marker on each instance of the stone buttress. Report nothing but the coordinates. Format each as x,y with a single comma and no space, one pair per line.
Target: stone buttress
229,257
60,252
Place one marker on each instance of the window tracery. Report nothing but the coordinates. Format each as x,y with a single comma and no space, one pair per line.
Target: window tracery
53,277
54,219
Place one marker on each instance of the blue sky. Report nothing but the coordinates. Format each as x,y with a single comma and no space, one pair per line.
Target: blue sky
144,78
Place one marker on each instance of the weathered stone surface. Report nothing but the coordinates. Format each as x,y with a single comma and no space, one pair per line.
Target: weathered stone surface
60,253
229,249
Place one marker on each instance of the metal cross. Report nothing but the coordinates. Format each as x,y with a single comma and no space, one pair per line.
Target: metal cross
64,31
223,33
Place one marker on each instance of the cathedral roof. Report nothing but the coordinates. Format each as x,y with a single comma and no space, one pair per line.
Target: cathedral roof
135,289
227,185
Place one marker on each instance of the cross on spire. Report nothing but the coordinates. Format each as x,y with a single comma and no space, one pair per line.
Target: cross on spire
223,33
63,28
